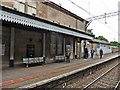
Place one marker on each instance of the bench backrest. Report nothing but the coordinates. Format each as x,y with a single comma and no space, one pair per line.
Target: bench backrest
33,60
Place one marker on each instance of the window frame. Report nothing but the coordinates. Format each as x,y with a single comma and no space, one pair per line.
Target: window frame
32,12
19,3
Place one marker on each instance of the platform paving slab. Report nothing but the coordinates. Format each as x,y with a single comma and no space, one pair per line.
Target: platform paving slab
16,77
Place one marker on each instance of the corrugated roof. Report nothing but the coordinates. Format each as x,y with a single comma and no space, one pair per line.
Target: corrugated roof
13,16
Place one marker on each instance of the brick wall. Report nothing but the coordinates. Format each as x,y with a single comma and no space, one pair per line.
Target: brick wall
8,3
42,10
59,17
52,14
22,39
64,19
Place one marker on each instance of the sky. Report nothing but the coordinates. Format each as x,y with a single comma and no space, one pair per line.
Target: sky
96,7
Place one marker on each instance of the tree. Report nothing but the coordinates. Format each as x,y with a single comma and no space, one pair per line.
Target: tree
90,31
102,38
115,43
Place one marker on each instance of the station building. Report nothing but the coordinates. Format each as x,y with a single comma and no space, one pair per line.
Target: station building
40,29
100,44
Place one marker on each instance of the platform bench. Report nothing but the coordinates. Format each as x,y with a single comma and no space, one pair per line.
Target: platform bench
60,58
34,60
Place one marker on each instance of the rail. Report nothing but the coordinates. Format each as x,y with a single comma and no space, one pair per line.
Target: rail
63,80
88,85
117,85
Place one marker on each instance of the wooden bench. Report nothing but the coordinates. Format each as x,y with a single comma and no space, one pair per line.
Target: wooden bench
34,60
60,58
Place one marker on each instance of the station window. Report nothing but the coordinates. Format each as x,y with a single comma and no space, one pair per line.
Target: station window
19,5
32,7
31,10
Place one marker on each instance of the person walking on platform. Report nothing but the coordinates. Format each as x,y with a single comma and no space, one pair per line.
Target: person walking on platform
101,53
92,53
68,55
86,53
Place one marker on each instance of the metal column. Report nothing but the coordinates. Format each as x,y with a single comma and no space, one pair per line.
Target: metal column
1,53
64,47
11,61
75,49
44,45
80,50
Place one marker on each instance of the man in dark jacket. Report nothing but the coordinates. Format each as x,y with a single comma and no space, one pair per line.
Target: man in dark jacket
86,53
101,53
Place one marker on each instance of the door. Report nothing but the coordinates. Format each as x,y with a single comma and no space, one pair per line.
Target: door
30,50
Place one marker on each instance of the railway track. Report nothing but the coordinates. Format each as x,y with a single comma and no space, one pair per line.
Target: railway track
102,76
109,79
117,86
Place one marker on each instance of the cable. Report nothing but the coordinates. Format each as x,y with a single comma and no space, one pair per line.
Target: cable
93,16
81,8
105,5
109,27
111,14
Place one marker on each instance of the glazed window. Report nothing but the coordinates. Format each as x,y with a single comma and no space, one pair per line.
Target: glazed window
32,7
19,5
31,10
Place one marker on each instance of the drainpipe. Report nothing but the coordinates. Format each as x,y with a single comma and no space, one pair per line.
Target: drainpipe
44,45
11,61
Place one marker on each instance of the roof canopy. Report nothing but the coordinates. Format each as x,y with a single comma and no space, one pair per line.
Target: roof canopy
17,17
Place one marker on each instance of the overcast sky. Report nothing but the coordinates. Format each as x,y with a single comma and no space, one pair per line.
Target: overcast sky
96,7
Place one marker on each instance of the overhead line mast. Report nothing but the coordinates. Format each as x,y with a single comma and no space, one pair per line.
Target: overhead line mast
106,15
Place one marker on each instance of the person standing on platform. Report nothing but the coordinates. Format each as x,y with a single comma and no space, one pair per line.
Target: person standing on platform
92,53
86,53
68,55
101,53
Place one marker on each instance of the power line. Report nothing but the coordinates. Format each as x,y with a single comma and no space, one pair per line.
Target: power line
105,5
94,15
111,14
106,15
80,7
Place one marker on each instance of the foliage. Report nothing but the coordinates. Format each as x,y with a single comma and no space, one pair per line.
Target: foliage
90,31
102,38
115,43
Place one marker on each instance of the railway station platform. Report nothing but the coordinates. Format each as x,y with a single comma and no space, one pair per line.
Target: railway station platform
20,76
